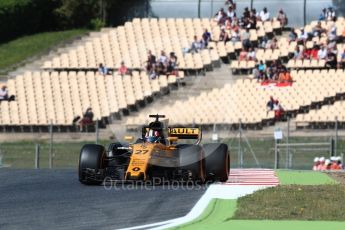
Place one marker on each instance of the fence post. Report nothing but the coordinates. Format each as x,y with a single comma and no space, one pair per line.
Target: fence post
287,142
305,13
51,145
336,135
37,156
0,157
97,132
276,157
240,152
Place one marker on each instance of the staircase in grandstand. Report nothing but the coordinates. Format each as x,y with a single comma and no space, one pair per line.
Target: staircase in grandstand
252,177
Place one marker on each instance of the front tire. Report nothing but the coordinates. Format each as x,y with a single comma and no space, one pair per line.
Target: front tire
91,157
217,160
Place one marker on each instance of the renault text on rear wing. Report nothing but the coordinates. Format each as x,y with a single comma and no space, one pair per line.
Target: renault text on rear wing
185,133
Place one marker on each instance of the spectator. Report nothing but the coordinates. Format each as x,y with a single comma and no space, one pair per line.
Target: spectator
314,52
252,19
231,13
87,119
331,60
221,17
161,69
150,62
330,14
332,34
245,38
256,73
318,30
231,3
321,166
271,75
322,16
264,15
102,69
262,67
316,164
322,54
163,58
153,73
243,55
123,70
285,77
297,54
278,111
340,165
196,45
292,35
342,60
272,44
206,38
334,164
251,56
246,13
235,36
224,36
172,64
4,94
270,104
282,18
228,24
327,165
302,37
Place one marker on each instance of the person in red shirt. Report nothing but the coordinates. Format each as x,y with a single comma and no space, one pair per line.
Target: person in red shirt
123,70
313,52
322,163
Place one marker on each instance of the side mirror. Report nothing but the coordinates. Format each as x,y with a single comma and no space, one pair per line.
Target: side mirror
129,138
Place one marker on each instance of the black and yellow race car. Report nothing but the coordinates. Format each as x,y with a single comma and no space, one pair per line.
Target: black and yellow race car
156,155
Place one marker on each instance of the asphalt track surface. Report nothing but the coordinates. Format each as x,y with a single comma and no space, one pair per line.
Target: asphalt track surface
54,199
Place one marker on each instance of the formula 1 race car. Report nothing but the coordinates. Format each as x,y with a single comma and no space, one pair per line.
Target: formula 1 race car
156,155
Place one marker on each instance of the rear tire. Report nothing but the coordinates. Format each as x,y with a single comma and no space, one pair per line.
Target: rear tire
91,157
217,161
192,159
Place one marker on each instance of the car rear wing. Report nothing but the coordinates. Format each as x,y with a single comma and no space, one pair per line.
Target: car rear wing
185,133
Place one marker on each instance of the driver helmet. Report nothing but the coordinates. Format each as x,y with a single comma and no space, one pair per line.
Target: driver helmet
152,136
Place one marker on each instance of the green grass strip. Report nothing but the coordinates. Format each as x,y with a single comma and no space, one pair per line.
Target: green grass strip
303,177
22,48
216,212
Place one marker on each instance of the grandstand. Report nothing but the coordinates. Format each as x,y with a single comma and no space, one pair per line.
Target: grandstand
68,83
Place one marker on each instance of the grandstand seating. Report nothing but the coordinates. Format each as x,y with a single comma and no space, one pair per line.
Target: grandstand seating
69,83
43,98
246,101
325,117
129,43
286,48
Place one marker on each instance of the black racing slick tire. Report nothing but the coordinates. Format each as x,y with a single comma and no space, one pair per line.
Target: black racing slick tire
92,158
217,161
191,158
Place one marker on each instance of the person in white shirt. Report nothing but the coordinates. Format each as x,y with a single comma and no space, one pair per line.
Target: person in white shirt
330,14
303,36
251,54
322,54
264,15
163,58
4,94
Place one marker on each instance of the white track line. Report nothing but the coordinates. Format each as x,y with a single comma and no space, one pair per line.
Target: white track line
228,190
